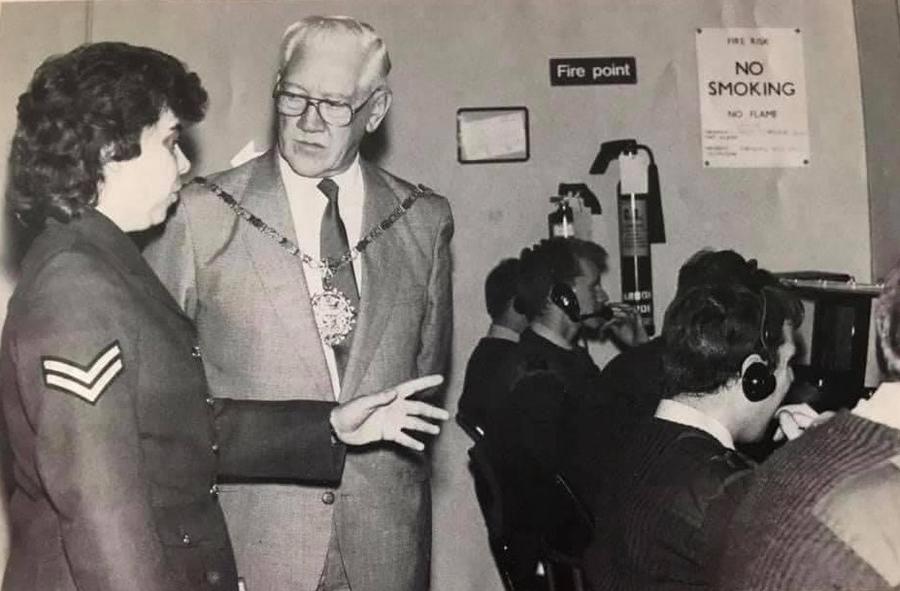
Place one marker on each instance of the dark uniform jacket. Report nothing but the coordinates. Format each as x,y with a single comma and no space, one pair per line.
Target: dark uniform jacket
116,445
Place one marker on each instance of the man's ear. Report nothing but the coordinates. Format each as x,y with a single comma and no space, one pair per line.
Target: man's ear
381,103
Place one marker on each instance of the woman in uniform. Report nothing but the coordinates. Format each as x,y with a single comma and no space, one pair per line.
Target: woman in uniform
116,445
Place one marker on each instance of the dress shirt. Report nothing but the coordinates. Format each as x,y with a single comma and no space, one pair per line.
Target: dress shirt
883,407
307,205
678,412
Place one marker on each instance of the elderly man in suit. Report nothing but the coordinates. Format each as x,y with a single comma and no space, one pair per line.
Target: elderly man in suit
310,266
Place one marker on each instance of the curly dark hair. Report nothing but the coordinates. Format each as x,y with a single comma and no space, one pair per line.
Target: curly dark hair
709,330
707,267
549,262
83,109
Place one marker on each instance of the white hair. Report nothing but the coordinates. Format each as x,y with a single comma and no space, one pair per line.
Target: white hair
319,29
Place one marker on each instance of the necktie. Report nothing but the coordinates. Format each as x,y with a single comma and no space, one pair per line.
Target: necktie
333,245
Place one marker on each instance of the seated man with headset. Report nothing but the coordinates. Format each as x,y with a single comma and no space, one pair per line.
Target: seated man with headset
726,357
559,291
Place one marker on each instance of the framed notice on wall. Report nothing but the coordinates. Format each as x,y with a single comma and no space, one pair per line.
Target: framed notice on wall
492,134
753,108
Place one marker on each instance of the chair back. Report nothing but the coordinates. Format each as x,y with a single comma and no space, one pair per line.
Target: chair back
489,495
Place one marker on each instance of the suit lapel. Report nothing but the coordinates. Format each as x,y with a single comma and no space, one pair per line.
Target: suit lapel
382,260
280,272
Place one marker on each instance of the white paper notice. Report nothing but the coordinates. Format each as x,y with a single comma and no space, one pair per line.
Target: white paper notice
495,137
753,108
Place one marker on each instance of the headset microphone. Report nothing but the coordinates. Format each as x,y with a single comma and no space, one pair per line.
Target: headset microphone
564,297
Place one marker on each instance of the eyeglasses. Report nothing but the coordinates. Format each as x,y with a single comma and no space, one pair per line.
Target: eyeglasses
331,112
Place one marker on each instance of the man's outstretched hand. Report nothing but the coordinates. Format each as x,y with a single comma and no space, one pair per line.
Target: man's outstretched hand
384,416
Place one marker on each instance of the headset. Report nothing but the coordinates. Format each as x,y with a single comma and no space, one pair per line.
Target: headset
758,381
563,295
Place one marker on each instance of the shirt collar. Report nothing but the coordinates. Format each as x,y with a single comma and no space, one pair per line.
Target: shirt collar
296,184
498,331
678,412
883,407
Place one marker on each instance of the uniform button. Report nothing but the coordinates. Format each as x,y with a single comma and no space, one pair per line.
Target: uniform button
213,577
210,401
214,448
214,491
328,497
186,539
195,352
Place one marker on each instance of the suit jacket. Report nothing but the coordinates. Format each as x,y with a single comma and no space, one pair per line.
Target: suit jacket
116,443
250,301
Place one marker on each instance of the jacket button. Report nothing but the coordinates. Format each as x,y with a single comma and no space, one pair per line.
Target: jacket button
214,491
186,539
195,352
214,448
213,577
210,401
328,497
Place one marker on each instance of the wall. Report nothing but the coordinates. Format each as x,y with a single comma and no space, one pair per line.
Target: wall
28,34
451,54
877,24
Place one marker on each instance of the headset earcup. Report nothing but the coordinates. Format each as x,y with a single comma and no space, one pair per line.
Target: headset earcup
564,296
758,381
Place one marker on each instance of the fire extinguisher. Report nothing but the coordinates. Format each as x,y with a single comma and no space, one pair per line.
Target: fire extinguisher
634,250
561,221
640,225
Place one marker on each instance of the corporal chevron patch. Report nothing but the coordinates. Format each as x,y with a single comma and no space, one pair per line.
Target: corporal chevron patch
87,382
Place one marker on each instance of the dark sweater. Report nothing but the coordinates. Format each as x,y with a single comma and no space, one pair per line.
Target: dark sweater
823,513
534,437
485,382
676,492
631,386
535,416
633,381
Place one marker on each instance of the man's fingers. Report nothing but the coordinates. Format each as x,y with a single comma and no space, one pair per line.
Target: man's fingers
407,389
370,402
622,310
407,441
417,424
383,398
423,409
789,425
